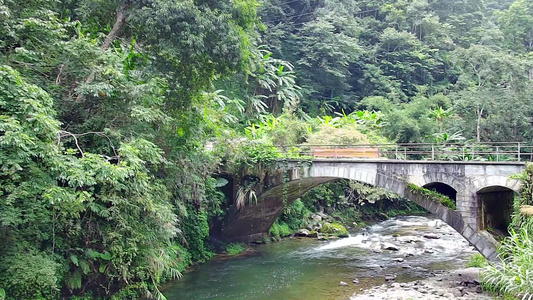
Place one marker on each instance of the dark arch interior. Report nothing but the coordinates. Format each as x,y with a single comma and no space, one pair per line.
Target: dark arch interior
442,188
496,208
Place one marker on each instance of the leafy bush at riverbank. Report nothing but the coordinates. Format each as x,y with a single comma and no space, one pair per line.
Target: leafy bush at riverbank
235,248
279,230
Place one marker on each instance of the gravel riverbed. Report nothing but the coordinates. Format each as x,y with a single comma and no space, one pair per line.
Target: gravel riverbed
458,284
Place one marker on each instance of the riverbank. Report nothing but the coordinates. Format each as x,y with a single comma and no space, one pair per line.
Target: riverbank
457,284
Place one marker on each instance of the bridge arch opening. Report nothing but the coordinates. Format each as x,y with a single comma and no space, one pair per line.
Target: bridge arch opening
495,209
442,188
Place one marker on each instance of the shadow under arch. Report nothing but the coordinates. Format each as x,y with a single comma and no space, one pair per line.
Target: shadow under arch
442,188
495,208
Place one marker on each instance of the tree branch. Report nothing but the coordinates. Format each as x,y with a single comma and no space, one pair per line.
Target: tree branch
109,39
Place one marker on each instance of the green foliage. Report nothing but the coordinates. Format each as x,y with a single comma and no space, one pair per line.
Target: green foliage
196,233
525,198
294,215
234,249
101,169
324,196
285,130
279,230
31,275
477,261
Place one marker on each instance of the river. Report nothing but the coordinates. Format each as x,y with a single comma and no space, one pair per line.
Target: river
304,268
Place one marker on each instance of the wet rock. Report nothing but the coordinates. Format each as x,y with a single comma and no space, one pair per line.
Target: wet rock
457,293
399,259
342,283
448,295
408,239
389,246
479,290
429,250
469,276
435,223
302,232
316,218
431,236
390,277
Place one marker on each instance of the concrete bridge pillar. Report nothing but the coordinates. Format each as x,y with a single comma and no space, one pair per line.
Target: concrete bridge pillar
467,205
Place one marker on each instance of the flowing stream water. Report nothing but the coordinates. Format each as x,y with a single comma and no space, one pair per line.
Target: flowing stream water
305,268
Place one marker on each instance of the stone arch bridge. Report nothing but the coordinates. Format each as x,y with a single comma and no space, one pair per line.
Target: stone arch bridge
483,192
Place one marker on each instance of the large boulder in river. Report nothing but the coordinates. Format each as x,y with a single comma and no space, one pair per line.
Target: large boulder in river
334,229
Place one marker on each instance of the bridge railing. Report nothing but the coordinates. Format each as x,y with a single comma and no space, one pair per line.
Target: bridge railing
502,151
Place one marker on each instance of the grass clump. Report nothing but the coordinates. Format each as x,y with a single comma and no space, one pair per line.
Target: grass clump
235,248
334,229
512,277
477,261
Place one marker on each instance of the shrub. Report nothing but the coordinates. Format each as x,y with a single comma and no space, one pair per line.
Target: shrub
328,135
234,249
279,230
31,276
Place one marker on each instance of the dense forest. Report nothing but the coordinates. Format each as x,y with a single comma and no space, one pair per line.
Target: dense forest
106,107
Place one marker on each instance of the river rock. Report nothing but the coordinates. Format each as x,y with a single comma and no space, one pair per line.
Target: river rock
457,293
313,234
316,218
389,246
356,281
399,259
408,239
435,223
342,283
431,236
302,232
321,237
390,277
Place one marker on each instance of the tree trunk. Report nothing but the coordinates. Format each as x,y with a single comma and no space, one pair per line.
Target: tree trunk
109,39
478,127
119,23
